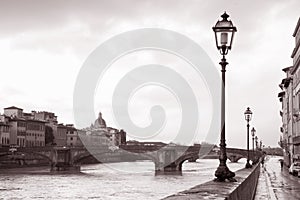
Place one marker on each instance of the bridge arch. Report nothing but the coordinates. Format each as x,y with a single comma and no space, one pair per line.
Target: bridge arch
21,154
80,157
235,157
236,154
184,158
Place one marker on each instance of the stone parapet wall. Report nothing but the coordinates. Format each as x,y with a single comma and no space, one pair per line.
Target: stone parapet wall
243,189
247,188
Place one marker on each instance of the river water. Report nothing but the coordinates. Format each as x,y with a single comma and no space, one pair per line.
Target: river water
131,180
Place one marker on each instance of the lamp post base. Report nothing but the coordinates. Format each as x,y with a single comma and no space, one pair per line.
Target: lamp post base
223,173
248,165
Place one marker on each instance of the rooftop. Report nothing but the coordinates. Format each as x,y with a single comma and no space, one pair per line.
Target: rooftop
287,68
297,27
13,107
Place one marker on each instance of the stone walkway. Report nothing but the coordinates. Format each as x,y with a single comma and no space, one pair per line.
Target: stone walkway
275,183
263,191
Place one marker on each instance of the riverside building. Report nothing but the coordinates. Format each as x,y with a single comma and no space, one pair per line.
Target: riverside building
290,102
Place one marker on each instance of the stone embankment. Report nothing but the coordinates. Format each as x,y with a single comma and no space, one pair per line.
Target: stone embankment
243,189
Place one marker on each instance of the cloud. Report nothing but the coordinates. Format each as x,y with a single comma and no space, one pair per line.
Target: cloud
44,43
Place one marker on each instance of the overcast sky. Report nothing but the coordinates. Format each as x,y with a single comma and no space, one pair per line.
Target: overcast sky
43,45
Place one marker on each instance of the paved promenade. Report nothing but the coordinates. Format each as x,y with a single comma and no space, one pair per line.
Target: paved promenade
275,183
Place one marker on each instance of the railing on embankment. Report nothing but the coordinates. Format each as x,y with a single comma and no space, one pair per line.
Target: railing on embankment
243,189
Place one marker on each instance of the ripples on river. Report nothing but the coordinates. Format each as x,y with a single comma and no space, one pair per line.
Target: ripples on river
127,180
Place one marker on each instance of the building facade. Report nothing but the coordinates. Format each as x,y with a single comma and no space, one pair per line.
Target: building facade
285,97
73,138
4,134
17,131
31,129
49,117
60,135
35,129
290,101
59,131
24,130
35,133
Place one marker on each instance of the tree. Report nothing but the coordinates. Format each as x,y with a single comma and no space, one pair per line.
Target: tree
49,137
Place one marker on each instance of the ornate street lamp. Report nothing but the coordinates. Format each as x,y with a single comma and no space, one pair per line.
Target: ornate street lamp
256,142
248,116
260,145
224,32
253,134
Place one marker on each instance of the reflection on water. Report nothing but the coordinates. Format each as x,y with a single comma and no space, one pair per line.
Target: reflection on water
106,181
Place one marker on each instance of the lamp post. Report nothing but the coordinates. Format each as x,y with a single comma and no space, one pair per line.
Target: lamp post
260,145
224,32
253,134
248,116
256,142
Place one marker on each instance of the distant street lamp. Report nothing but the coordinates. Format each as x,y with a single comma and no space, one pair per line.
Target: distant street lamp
253,134
224,32
256,142
260,145
248,116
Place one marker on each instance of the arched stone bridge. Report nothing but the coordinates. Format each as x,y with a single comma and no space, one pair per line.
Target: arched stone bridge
167,159
60,158
234,154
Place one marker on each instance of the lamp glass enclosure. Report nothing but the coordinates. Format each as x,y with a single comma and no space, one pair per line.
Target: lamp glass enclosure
224,33
253,132
248,114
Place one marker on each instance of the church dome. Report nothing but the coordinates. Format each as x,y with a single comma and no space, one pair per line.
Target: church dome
100,122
